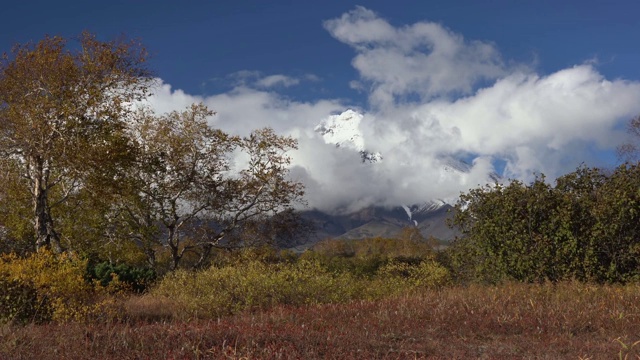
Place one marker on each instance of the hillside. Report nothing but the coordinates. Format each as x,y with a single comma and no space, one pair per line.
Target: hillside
377,221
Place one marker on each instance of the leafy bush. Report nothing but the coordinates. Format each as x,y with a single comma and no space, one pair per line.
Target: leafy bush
20,303
402,276
255,285
359,266
50,286
584,228
409,243
365,257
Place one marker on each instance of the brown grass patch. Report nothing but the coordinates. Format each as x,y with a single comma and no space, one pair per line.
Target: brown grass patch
146,308
562,321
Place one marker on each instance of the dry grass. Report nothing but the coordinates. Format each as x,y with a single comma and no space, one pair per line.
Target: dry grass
562,321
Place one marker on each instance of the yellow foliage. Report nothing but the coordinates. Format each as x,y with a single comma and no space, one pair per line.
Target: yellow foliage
59,284
255,284
427,274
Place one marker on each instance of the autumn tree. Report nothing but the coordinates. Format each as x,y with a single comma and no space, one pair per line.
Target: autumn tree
63,112
189,195
16,231
260,192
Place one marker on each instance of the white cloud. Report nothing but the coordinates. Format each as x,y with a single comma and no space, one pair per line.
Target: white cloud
244,108
256,79
543,117
312,78
424,59
433,96
277,80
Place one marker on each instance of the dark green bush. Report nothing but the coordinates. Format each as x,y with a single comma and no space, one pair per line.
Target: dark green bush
137,278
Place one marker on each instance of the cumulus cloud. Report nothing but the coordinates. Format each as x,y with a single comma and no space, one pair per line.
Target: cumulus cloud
245,108
435,95
434,98
423,59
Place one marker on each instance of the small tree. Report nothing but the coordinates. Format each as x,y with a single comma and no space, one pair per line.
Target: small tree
257,191
186,196
62,119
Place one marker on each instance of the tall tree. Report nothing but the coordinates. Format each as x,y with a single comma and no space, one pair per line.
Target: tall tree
177,177
62,118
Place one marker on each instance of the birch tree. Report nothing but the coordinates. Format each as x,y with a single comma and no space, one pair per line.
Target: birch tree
62,118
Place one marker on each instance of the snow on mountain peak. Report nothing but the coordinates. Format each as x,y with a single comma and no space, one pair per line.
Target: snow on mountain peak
343,130
423,208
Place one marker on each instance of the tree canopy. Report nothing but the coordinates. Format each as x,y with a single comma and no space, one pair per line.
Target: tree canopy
586,227
62,116
87,166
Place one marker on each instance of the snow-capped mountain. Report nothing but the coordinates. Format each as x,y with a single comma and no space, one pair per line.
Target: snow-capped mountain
343,130
430,216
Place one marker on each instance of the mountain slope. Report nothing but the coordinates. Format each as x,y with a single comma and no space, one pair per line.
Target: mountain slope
380,222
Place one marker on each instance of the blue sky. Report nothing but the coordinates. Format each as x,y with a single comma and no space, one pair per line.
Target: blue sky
516,87
196,41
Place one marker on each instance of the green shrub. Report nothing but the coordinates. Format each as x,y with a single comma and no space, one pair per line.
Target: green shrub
255,285
403,275
408,243
365,257
583,228
360,266
134,278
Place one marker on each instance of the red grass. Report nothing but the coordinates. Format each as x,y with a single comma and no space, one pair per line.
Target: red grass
512,321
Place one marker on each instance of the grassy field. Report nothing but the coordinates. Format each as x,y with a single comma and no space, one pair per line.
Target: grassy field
509,321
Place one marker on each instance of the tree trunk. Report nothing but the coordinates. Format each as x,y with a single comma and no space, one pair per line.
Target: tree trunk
151,256
174,245
204,256
46,236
